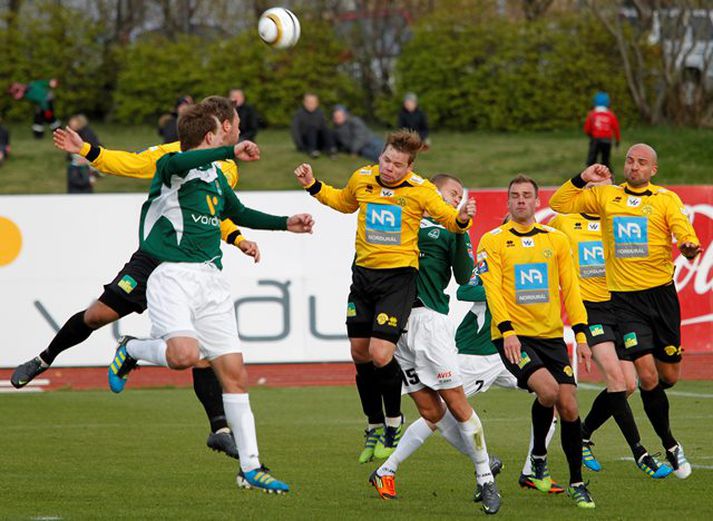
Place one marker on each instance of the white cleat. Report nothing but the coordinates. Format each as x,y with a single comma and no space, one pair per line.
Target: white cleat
677,459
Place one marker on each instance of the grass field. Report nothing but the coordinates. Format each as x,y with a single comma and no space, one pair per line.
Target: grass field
480,159
93,456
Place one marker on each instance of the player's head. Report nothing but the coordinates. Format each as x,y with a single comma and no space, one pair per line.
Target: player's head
523,199
640,164
77,122
183,103
223,109
450,188
396,160
310,101
237,96
198,127
410,101
339,115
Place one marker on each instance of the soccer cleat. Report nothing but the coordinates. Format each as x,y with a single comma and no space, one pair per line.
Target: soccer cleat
121,366
581,495
389,441
489,495
652,467
223,441
261,479
540,476
384,485
371,438
25,373
525,481
588,458
678,461
496,465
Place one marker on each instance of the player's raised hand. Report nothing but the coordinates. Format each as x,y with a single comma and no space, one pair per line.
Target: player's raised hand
247,151
300,223
595,174
584,355
68,140
304,174
512,348
250,248
467,211
690,250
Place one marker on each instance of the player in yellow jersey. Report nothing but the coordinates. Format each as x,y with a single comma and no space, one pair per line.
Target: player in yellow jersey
638,219
391,200
523,265
585,236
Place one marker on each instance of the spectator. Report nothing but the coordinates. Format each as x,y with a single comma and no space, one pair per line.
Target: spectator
354,137
168,123
4,143
413,118
41,94
80,175
309,128
249,119
602,127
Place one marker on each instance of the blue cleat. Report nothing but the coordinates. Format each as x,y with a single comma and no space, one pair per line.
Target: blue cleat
588,458
261,479
122,365
652,467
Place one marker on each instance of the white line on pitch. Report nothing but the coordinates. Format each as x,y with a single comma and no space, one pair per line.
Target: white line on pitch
592,387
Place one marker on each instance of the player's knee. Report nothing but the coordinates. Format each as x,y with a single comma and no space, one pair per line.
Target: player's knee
181,357
381,357
668,381
630,386
648,379
547,396
97,316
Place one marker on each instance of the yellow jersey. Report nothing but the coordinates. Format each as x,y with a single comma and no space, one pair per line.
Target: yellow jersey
389,216
142,165
637,224
585,236
523,269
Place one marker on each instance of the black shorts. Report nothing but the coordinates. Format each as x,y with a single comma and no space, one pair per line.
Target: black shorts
550,353
649,322
126,294
602,326
380,302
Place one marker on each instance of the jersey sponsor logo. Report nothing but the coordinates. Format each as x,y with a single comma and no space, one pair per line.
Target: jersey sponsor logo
383,224
631,236
531,283
482,267
596,329
417,180
593,227
630,340
351,309
206,220
496,231
591,259
365,171
435,233
212,201
482,255
127,283
385,192
528,242
633,202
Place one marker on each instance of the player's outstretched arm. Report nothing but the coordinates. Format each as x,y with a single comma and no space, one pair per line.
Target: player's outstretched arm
67,140
342,200
300,223
571,197
250,249
247,151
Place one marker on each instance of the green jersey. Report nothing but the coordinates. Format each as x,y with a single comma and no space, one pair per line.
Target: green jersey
188,198
439,251
473,333
39,92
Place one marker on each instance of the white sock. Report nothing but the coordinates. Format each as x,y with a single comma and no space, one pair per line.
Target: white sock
242,423
472,433
448,427
394,422
148,349
527,467
415,435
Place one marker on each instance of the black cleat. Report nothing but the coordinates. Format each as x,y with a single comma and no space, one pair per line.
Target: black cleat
223,441
27,372
496,465
489,495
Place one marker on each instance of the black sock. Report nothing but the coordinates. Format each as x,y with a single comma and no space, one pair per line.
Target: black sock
72,333
571,436
625,420
390,383
601,411
656,407
210,393
369,393
541,421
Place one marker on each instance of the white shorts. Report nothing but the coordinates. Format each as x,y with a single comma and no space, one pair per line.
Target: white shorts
480,372
194,300
427,352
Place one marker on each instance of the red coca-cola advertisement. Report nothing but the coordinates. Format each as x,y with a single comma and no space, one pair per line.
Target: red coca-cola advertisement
694,280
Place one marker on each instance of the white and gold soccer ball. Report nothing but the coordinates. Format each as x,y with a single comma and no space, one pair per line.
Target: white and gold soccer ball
279,28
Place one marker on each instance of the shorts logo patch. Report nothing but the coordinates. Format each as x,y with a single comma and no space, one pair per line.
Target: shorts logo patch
381,318
383,224
127,283
444,376
596,330
393,321
672,350
631,236
568,370
591,259
531,283
630,340
524,360
351,309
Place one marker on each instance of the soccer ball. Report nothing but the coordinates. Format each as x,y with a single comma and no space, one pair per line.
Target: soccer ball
279,27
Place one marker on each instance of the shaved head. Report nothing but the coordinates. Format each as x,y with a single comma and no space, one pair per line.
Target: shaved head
640,148
640,165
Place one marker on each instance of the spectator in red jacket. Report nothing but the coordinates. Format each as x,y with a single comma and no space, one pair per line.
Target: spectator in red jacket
602,127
